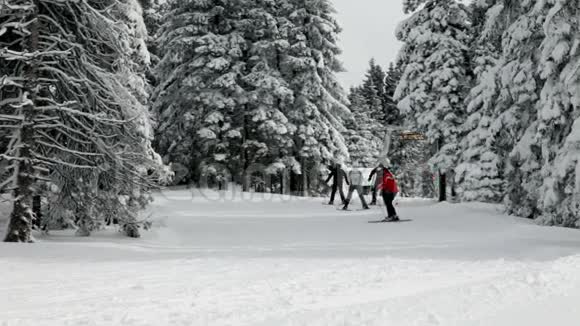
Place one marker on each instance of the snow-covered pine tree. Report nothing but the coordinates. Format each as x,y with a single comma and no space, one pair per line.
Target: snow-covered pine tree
502,156
391,111
266,132
113,200
433,84
479,175
310,66
370,93
199,101
373,89
516,108
362,139
152,16
64,105
132,65
409,159
559,111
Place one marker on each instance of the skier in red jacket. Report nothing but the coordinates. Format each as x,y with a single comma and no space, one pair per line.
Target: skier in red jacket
389,191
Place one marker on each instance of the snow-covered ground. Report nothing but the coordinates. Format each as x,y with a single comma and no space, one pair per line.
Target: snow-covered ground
291,261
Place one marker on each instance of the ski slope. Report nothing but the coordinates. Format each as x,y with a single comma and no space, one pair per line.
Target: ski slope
220,259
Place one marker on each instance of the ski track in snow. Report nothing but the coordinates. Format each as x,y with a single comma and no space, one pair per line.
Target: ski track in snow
289,261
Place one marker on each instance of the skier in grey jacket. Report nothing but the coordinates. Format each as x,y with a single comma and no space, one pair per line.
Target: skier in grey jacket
356,181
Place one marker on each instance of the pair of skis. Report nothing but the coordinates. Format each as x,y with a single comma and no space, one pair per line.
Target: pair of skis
391,221
379,221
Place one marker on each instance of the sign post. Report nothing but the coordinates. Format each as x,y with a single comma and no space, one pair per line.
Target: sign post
442,179
405,135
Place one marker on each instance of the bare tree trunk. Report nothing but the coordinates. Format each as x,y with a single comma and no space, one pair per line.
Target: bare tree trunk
37,210
245,178
442,187
84,224
22,217
20,227
305,187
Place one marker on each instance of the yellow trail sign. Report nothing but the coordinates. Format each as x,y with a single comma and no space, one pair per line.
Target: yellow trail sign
412,136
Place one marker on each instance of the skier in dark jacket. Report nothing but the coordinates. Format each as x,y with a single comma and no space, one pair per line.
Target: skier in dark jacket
337,175
378,171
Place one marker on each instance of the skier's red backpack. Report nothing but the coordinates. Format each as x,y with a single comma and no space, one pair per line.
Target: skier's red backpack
389,183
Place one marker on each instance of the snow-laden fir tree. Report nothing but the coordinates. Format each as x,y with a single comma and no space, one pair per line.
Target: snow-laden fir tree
370,94
266,131
516,109
433,84
199,101
237,118
559,111
499,154
362,136
66,108
310,66
152,17
378,88
373,89
410,165
391,111
116,201
249,82
484,150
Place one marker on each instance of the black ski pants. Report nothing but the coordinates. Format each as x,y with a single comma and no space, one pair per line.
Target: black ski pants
388,198
333,193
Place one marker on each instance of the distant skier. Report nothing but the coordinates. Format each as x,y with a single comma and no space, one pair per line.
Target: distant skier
389,191
378,172
356,181
337,175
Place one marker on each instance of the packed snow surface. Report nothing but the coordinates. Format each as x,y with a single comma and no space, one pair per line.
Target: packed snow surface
220,259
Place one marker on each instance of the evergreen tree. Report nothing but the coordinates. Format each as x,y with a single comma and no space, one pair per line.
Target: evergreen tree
480,173
152,17
434,82
200,97
501,156
373,89
517,111
370,92
114,201
310,66
378,88
558,111
409,159
520,142
248,83
66,107
362,132
267,132
390,109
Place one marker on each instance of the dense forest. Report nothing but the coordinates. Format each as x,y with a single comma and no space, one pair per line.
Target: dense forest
497,86
103,102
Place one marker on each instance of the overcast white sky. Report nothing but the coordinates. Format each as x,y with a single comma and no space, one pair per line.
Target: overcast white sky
368,31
